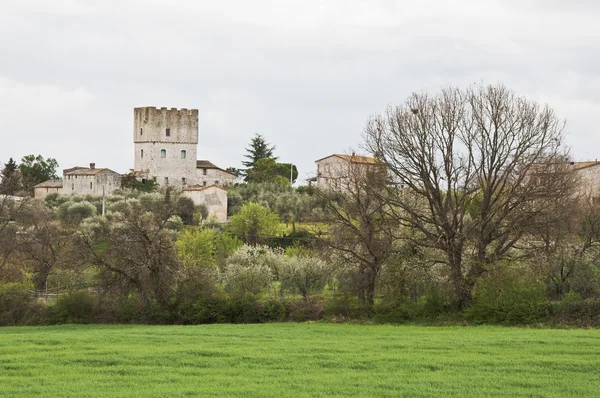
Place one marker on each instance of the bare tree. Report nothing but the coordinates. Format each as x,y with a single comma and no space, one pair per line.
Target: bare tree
462,164
359,227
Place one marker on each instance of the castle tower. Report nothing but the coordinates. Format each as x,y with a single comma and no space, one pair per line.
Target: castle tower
166,142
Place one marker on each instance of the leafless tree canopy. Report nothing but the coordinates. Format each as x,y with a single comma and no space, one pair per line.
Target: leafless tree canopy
472,169
359,226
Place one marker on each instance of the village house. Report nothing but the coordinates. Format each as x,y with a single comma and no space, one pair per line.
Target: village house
41,190
208,174
90,181
333,170
81,181
589,177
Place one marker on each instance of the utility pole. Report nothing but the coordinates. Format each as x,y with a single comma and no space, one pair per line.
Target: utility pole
103,203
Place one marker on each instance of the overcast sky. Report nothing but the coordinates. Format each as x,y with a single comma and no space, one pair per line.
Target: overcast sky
306,74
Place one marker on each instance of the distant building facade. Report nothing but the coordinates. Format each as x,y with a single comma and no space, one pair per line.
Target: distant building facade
589,177
213,197
40,191
166,145
333,170
90,181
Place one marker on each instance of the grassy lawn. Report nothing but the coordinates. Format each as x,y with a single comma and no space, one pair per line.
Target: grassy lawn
297,360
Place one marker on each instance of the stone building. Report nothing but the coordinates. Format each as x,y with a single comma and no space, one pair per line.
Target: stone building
213,197
166,142
589,177
90,181
333,169
41,190
208,174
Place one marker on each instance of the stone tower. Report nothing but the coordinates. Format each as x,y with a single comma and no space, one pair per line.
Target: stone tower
166,142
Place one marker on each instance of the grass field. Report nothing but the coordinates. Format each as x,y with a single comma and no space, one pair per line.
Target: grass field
297,360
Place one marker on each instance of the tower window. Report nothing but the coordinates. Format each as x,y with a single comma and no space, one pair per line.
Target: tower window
142,153
141,131
183,153
168,132
183,181
163,153
204,183
217,182
90,185
204,171
166,180
72,186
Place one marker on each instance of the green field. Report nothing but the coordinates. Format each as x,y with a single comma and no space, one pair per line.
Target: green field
297,360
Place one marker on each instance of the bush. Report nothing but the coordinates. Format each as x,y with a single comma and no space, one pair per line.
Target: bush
75,307
252,269
508,301
305,275
572,310
16,304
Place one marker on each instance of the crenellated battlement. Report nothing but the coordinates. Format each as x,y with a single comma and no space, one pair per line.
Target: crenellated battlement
154,109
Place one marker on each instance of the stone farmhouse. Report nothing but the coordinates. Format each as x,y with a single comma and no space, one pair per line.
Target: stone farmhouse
332,170
81,181
589,177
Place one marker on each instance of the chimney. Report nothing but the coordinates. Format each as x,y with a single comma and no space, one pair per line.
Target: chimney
92,166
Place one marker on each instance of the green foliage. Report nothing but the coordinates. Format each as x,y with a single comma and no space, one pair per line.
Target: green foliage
185,209
36,169
259,149
130,181
197,248
508,300
254,223
73,213
251,269
306,275
15,304
75,307
10,178
268,170
292,205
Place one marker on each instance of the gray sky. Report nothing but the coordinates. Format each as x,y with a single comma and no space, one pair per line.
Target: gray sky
304,73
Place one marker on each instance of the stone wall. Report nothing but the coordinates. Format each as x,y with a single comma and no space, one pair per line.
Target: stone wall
213,197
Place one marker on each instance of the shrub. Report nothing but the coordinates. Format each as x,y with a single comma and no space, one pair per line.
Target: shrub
508,301
251,269
306,275
16,304
75,307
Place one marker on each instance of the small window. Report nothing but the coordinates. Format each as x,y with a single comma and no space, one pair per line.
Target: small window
168,131
141,131
90,185
166,180
204,184
163,153
204,171
183,181
142,153
183,153
217,182
72,186
143,180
